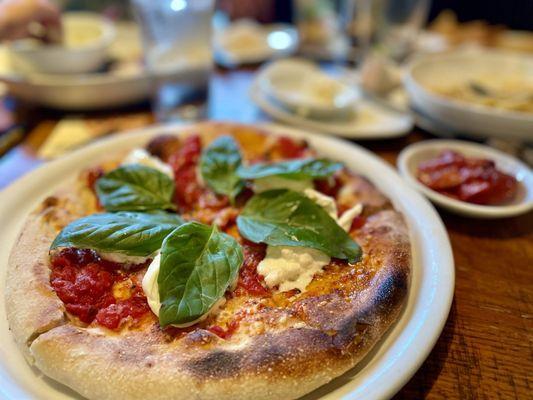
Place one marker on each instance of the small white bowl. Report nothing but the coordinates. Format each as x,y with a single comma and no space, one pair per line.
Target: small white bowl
411,157
301,87
460,67
87,38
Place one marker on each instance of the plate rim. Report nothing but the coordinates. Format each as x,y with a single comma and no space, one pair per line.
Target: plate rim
393,375
303,124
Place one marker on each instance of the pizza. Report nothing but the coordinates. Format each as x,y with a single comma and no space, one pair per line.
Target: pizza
223,263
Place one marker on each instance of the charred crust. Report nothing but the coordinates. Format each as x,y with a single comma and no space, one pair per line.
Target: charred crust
216,364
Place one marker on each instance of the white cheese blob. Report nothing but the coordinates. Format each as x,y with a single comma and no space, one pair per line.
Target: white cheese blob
151,290
293,267
142,157
326,202
122,258
276,182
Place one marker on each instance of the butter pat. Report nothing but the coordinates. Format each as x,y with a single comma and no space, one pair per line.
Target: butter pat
142,157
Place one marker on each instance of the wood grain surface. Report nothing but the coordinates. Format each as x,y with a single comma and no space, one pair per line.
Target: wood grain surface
486,348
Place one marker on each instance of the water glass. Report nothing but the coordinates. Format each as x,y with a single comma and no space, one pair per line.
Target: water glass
177,51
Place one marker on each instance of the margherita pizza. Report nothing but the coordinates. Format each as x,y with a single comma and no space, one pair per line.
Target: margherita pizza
223,264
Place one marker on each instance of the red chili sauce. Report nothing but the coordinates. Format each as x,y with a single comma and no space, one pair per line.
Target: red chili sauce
473,180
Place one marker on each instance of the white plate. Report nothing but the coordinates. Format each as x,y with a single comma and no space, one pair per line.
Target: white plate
272,41
413,155
369,121
390,365
85,91
303,88
465,117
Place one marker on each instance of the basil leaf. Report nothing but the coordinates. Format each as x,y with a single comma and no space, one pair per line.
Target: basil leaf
135,188
308,168
198,264
219,164
130,233
287,218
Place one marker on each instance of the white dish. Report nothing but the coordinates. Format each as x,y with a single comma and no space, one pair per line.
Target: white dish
368,121
88,37
247,42
85,91
305,90
390,365
461,67
413,155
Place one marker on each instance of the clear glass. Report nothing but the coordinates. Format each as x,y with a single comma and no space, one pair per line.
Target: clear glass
320,26
388,27
177,50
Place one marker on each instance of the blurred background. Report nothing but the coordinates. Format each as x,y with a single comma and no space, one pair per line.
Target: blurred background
84,69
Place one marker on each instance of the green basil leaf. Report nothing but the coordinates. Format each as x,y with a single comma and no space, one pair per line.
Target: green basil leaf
198,264
219,164
129,233
135,188
308,168
287,218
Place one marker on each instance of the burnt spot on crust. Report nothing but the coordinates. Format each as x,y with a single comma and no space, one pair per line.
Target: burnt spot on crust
216,364
199,337
389,292
50,201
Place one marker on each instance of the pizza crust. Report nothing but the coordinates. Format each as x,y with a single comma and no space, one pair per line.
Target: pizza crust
334,335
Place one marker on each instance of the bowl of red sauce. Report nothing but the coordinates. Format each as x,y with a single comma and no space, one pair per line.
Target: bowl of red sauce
468,178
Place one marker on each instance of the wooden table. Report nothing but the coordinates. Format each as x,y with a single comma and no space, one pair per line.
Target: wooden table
486,348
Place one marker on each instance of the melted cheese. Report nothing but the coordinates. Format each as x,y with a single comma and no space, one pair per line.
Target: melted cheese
151,290
122,258
276,182
142,157
291,267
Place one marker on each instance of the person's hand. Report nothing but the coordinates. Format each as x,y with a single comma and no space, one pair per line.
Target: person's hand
39,19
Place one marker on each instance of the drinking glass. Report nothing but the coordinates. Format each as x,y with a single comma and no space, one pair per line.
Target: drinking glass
391,29
177,51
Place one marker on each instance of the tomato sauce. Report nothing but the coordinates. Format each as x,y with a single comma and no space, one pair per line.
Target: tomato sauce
184,163
224,333
473,180
289,148
250,282
84,282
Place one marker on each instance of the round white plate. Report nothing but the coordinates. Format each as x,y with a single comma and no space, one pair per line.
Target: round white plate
381,374
369,121
413,155
275,41
85,91
465,117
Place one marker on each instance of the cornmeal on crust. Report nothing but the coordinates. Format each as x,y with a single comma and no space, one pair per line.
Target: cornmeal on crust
287,348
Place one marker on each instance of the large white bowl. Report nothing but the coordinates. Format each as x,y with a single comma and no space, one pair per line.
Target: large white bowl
87,40
465,117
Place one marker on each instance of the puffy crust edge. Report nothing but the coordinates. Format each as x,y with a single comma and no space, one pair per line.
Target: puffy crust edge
281,365
285,364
